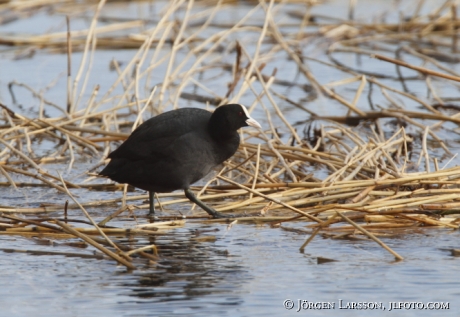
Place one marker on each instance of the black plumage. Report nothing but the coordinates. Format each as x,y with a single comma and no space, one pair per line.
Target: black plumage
177,148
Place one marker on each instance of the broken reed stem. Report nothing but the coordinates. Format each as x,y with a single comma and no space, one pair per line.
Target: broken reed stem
112,216
101,232
417,68
91,231
90,241
271,199
33,222
67,254
315,232
370,235
88,40
69,67
148,247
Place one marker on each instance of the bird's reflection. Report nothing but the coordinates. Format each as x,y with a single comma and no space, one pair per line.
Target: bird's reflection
189,269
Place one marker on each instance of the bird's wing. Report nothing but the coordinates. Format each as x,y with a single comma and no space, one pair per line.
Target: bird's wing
159,136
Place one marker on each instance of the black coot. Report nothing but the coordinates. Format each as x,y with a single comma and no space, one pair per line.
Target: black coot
177,148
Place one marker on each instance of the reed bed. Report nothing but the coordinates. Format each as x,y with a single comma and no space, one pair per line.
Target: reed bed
382,166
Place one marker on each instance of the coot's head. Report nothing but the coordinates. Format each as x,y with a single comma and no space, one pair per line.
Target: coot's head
227,119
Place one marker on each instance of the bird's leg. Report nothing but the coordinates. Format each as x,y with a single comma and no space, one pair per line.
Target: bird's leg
215,214
151,203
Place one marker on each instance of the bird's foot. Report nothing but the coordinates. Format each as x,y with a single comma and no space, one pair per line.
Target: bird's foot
218,215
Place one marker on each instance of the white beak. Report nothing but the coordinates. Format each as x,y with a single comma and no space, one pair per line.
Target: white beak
250,121
253,123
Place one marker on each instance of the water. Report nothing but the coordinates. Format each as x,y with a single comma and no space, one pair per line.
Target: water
248,270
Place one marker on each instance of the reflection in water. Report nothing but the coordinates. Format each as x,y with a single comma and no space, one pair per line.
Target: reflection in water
190,273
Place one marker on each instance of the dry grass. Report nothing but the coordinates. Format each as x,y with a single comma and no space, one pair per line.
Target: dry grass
361,173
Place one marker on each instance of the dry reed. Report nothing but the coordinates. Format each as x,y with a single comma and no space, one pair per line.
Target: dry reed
354,168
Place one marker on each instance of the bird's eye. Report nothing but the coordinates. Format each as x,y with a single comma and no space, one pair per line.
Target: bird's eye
240,113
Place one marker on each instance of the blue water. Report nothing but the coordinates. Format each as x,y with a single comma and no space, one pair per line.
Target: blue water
248,271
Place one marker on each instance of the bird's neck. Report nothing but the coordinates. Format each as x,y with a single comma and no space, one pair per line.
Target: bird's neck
219,130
